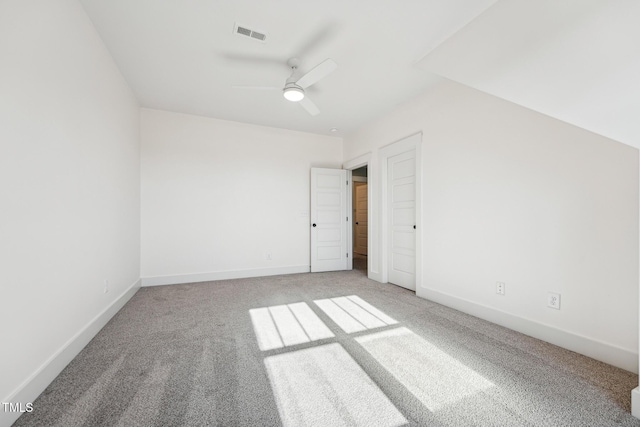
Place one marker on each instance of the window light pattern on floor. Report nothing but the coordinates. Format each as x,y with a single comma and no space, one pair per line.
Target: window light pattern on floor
324,386
353,314
286,325
435,378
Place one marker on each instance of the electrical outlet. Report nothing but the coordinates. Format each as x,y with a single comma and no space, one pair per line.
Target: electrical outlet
553,300
106,286
500,288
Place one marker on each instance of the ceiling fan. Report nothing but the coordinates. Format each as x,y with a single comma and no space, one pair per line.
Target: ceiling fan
295,85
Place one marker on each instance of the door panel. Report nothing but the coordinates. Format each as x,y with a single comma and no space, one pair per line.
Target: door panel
328,253
328,180
404,263
402,207
404,192
404,216
328,219
328,198
404,168
328,235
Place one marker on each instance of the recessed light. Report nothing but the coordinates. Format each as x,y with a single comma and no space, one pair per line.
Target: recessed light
334,130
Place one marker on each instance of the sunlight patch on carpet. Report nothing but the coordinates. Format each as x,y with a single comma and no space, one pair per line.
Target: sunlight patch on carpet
431,375
353,314
324,386
286,325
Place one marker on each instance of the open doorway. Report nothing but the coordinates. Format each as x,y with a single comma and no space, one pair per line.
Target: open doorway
360,206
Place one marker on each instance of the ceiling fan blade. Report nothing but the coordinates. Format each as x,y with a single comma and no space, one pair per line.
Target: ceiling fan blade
317,73
308,105
257,87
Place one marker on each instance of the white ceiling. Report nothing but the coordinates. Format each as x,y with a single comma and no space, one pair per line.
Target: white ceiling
183,55
576,60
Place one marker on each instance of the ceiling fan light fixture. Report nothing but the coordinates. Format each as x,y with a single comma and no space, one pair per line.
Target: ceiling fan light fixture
293,93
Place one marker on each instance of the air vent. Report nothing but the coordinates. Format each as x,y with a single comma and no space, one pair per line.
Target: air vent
247,32
244,31
257,35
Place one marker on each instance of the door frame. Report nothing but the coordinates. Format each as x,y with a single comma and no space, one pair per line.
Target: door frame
358,162
411,142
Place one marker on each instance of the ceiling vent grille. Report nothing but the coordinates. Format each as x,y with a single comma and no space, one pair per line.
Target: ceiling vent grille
247,32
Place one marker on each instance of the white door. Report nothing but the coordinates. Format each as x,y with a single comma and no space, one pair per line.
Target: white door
401,186
360,218
328,219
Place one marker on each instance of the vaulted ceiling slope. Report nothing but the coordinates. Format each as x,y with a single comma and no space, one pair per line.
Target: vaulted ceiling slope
575,60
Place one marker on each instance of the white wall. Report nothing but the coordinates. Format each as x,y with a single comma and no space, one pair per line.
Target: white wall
69,189
514,196
217,196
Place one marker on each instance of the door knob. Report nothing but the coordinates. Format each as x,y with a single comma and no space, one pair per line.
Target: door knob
414,227
357,223
314,224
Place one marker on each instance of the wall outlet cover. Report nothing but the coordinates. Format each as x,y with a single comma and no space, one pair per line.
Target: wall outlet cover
553,300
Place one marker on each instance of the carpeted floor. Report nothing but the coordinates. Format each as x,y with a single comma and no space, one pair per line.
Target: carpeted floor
291,350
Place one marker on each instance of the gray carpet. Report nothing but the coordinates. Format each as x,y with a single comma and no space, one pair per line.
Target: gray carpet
213,354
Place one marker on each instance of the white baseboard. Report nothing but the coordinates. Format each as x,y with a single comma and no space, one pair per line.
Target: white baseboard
31,388
635,402
604,352
223,275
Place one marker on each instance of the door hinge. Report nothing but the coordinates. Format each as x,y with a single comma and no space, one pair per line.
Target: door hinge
347,254
347,182
347,219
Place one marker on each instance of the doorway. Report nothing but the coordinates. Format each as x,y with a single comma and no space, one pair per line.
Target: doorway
360,206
